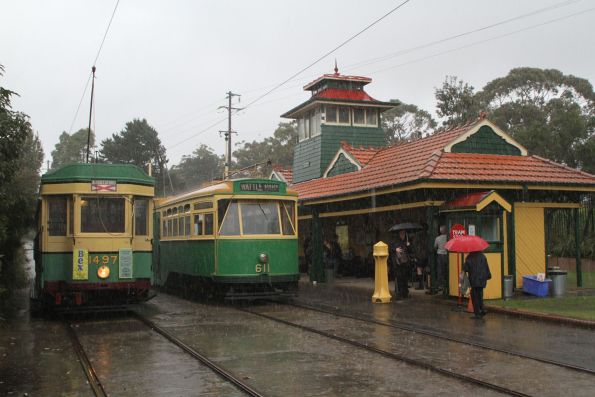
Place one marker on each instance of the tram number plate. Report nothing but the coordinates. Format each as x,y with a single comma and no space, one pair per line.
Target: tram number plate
101,260
263,268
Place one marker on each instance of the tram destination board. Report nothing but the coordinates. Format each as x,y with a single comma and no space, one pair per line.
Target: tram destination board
259,187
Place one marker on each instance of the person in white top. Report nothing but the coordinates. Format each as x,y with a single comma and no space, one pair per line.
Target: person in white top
441,258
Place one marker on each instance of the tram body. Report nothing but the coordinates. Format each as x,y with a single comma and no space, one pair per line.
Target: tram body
235,239
94,243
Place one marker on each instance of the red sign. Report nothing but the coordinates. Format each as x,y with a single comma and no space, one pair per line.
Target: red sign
457,230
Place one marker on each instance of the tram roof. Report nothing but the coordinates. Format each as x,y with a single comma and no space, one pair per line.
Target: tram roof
122,173
226,187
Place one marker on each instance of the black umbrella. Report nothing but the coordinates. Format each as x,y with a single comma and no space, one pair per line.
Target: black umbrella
408,226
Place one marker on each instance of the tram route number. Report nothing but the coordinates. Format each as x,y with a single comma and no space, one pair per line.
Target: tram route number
103,259
263,268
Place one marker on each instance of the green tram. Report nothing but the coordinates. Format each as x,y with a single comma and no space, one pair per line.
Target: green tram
234,239
93,246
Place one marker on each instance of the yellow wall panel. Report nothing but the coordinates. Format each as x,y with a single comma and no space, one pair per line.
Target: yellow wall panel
529,241
493,288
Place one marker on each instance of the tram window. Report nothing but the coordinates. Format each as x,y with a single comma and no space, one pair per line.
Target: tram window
187,226
70,216
57,216
260,218
287,217
169,212
198,224
208,224
141,208
102,214
181,226
170,227
164,233
203,205
231,221
187,208
175,227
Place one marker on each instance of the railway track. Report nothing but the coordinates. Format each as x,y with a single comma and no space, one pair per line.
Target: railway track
98,388
441,335
400,357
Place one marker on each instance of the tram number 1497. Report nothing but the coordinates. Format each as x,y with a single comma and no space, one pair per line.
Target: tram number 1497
263,268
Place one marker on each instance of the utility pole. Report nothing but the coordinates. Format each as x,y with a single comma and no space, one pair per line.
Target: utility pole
228,133
90,111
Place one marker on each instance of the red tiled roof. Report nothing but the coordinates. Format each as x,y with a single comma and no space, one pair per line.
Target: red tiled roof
467,200
346,95
361,154
287,173
424,159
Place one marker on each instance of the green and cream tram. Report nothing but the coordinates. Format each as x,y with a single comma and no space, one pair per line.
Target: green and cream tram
236,239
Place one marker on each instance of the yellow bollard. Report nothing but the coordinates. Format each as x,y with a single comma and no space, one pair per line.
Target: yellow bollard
381,292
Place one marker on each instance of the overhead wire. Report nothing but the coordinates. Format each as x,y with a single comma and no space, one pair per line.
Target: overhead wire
78,108
342,44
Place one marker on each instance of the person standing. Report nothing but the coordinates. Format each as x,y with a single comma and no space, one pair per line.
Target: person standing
477,268
400,259
441,259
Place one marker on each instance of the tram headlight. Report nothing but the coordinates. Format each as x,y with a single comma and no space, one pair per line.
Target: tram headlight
103,272
264,258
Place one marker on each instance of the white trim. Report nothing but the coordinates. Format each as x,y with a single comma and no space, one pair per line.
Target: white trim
498,131
280,177
347,155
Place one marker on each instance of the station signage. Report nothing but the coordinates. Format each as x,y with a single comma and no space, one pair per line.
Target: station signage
457,230
103,185
259,187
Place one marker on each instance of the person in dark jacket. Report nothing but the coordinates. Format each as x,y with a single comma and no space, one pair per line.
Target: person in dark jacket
400,255
478,271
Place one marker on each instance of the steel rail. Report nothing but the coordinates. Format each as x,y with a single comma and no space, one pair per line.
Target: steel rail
225,374
395,356
435,334
83,359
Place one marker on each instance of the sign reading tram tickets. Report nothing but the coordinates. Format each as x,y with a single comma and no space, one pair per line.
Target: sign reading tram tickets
125,265
80,264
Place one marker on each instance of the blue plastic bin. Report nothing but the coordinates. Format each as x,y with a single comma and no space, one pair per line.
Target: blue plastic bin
535,287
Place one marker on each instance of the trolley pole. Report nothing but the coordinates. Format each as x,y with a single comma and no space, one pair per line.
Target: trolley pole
227,134
90,111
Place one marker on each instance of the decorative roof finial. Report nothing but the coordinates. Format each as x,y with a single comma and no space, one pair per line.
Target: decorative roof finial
482,115
336,68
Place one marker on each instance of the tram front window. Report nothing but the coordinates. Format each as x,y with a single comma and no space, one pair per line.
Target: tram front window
260,217
102,214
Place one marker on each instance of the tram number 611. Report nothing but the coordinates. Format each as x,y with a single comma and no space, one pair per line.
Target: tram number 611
263,268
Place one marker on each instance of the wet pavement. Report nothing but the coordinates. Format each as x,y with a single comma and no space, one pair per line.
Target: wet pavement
282,361
567,344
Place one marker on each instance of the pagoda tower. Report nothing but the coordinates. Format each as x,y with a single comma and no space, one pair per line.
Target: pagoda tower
339,110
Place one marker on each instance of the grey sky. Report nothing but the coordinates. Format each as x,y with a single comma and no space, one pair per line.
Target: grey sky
171,62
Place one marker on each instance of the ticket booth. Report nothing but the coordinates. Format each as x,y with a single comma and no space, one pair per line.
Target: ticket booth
481,214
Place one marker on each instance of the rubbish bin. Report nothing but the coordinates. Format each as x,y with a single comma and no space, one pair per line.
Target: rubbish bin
558,277
508,284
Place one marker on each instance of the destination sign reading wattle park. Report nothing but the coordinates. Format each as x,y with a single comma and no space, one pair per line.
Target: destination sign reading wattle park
259,187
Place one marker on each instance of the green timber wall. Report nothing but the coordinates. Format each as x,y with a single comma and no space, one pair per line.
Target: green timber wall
342,166
312,156
486,141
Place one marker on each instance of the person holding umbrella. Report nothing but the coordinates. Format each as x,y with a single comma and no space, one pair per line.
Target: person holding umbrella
476,267
400,254
478,271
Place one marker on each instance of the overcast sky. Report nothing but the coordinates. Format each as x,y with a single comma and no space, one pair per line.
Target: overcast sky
171,62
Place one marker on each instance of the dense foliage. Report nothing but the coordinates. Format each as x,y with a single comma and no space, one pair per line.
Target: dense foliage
21,157
406,121
73,148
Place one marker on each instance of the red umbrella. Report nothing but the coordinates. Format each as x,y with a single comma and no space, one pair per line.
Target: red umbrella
466,244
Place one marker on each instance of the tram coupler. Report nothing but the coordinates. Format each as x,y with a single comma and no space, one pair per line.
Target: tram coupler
381,291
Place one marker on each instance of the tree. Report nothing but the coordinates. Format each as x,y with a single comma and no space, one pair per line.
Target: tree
21,157
551,114
72,148
406,121
278,148
138,143
194,170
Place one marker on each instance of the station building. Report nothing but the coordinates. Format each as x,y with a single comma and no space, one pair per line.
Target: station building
352,186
